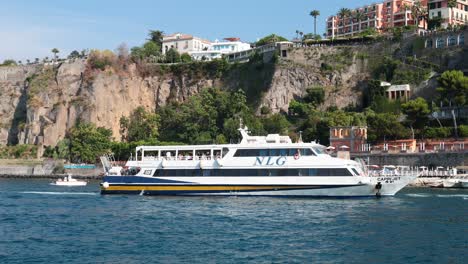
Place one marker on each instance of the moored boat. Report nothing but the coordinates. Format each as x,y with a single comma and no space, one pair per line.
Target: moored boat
259,165
69,181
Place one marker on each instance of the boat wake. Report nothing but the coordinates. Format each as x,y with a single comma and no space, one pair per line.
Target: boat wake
61,193
418,195
426,195
464,196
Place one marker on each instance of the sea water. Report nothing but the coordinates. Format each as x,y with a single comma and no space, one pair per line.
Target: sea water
53,224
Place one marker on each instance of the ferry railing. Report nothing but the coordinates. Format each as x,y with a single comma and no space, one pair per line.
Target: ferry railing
185,158
404,173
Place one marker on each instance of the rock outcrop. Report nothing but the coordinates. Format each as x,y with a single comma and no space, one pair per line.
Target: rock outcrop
39,104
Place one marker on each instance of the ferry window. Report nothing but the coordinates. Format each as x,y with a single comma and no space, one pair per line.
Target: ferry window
303,172
292,152
307,152
207,172
313,172
319,150
334,172
147,172
355,171
283,152
263,152
157,173
224,152
274,152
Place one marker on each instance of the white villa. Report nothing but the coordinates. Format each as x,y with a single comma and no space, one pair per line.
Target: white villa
394,92
220,48
184,43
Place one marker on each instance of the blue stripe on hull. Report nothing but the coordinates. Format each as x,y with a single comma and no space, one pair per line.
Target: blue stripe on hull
137,180
214,192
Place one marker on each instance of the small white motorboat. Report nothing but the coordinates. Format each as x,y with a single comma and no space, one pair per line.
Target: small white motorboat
464,183
69,181
451,183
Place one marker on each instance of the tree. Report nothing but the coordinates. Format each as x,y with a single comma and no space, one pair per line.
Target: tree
315,14
276,124
315,95
140,126
28,61
63,149
451,4
74,54
9,62
384,126
311,36
88,142
453,86
416,112
172,56
83,53
270,39
185,58
122,52
55,51
100,59
419,11
344,12
36,60
359,16
156,36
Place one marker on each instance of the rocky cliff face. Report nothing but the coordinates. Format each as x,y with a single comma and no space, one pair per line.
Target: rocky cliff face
39,104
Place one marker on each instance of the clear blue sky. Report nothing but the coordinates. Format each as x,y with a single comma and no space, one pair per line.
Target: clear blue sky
31,28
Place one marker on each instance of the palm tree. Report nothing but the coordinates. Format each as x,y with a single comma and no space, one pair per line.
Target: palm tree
55,51
451,4
344,12
419,11
28,61
297,34
315,14
36,60
406,7
359,16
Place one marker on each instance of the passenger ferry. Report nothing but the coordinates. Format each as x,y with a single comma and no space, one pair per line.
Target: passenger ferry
259,166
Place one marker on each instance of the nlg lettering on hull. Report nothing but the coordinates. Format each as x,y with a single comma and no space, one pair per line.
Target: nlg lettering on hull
270,161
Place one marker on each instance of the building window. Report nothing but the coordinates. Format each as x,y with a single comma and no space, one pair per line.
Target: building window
177,45
440,43
452,41
186,45
461,40
439,14
429,43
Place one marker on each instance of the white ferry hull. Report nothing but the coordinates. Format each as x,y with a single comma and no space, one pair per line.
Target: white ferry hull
256,186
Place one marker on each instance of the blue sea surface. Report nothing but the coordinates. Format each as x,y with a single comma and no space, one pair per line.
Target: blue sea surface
40,223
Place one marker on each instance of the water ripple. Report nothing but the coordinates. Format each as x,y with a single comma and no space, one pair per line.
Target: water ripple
39,223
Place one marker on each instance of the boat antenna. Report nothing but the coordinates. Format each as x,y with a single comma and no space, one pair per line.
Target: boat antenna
300,138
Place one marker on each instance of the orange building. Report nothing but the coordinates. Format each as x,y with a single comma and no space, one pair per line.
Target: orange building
352,138
378,16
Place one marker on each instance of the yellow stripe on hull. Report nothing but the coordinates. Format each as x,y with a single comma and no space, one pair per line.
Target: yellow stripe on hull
197,188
